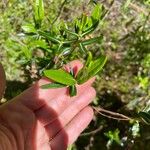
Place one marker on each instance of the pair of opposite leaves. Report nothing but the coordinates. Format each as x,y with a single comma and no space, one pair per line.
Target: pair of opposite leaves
63,78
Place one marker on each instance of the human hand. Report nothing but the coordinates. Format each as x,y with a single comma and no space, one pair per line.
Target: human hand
46,119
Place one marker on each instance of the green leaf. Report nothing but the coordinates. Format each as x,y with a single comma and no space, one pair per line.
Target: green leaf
38,43
113,136
82,48
60,76
72,33
65,51
96,66
96,16
91,69
90,29
77,26
48,36
135,129
89,59
84,21
82,75
97,12
72,90
52,86
29,28
145,116
69,41
27,52
38,12
93,40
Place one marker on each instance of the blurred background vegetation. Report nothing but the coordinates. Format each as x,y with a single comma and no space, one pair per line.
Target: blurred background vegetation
122,87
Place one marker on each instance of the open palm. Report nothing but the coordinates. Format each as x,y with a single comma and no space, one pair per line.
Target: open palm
46,119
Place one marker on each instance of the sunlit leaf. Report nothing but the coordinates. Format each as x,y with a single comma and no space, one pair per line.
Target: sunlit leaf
38,12
113,137
89,59
136,129
39,43
97,12
28,28
96,16
49,36
92,68
90,29
82,48
84,21
72,33
27,52
92,40
60,76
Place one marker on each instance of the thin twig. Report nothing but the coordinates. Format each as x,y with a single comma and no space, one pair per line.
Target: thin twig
112,115
92,132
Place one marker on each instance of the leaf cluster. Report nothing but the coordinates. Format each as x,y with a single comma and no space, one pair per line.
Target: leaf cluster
62,43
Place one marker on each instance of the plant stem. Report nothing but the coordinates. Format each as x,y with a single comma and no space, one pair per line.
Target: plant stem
112,115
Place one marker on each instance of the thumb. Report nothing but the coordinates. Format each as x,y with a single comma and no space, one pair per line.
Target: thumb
2,81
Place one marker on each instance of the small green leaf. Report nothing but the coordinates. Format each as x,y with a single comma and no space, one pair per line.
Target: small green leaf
72,90
27,52
97,12
38,43
52,86
89,59
90,29
38,12
48,36
82,75
95,18
96,66
84,21
60,76
91,69
145,116
82,48
92,40
72,33
65,51
29,28
113,136
77,26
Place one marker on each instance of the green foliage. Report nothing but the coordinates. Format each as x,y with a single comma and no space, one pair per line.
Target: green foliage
91,68
29,46
38,13
59,45
60,76
113,137
145,114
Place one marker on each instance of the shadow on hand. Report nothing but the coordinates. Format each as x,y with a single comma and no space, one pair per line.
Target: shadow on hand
38,100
